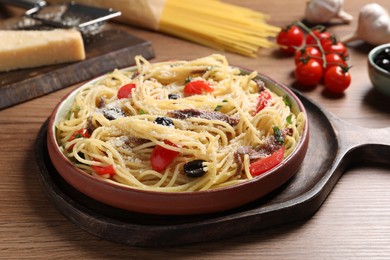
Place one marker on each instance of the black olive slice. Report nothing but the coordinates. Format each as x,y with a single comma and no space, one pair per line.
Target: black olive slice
194,169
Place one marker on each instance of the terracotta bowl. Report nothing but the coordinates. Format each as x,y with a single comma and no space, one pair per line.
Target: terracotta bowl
177,203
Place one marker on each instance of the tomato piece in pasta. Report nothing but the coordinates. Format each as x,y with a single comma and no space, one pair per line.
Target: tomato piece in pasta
81,133
262,165
125,91
161,157
263,99
102,170
197,87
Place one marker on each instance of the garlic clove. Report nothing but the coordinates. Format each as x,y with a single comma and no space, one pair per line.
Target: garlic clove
373,26
344,16
323,11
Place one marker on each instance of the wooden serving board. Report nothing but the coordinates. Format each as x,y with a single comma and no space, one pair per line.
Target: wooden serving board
334,145
105,52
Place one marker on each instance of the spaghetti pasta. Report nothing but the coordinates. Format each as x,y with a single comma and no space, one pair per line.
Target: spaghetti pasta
218,25
182,126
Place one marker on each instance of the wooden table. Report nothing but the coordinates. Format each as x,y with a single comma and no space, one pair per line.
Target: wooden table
353,223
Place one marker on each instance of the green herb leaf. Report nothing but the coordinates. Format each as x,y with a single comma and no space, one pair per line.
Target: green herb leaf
69,114
278,135
142,112
289,119
286,101
188,80
217,108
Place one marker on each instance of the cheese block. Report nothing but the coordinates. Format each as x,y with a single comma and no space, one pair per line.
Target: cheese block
28,49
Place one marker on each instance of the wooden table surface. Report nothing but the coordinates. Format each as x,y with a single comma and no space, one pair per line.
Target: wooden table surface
353,223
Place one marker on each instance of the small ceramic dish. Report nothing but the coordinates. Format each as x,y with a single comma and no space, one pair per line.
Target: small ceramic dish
177,203
380,78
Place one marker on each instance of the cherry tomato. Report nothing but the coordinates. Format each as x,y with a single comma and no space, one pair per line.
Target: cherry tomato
101,170
125,91
81,133
307,52
262,165
290,38
337,79
262,100
334,59
161,157
197,87
336,47
309,73
324,38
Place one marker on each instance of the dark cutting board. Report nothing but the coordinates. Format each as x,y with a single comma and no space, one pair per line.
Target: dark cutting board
334,145
105,52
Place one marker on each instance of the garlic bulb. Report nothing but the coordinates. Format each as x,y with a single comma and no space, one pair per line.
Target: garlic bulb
373,26
323,11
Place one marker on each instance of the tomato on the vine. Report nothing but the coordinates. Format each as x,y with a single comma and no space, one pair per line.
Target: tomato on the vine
336,47
309,73
290,38
337,79
307,52
324,38
333,59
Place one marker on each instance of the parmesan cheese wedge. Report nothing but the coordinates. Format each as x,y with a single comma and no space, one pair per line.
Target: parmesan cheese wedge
29,49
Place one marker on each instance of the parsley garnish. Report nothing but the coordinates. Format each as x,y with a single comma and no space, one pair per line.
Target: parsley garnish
188,80
289,119
286,101
142,112
278,135
217,108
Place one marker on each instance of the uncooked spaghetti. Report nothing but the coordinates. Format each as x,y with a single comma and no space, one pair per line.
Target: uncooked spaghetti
218,25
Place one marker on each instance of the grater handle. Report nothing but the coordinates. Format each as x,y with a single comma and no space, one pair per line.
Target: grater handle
30,5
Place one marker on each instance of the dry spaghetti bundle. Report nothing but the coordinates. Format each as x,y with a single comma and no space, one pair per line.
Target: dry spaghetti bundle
212,23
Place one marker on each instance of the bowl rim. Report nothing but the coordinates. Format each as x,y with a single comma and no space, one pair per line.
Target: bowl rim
371,56
302,146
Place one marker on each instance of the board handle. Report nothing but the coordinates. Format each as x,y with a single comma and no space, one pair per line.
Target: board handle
362,144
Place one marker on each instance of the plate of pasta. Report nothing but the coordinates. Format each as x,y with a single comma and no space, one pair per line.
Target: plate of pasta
178,137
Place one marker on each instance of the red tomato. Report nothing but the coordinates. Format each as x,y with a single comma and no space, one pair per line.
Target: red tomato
101,170
197,87
125,91
81,133
309,73
162,157
262,100
323,37
267,163
336,47
307,52
290,38
337,79
334,59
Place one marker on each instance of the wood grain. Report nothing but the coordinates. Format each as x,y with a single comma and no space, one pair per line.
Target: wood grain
353,222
